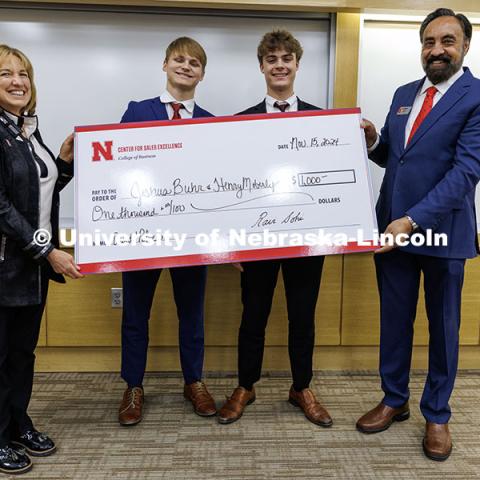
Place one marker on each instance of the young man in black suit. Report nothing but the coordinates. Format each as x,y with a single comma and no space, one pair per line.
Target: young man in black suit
279,54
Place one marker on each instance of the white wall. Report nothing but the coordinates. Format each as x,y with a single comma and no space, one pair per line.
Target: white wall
389,58
88,65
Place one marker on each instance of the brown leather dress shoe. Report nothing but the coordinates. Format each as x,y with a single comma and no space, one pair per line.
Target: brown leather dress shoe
131,408
202,401
311,407
233,408
437,443
381,417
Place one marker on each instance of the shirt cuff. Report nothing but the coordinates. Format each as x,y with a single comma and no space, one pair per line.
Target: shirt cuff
375,145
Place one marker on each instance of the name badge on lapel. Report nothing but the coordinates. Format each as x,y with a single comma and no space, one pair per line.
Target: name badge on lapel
404,110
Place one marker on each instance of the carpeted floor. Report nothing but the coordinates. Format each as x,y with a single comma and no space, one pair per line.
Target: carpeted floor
272,440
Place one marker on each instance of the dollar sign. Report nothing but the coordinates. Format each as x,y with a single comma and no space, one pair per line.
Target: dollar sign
294,180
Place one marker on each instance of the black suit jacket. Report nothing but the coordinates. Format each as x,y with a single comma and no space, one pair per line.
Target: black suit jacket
21,259
262,108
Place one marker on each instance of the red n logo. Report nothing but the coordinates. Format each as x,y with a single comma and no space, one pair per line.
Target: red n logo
104,150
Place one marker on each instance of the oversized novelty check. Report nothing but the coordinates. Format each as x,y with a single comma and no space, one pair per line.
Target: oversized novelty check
225,189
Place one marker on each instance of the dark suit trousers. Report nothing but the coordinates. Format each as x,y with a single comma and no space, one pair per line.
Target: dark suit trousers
398,275
189,293
301,277
19,330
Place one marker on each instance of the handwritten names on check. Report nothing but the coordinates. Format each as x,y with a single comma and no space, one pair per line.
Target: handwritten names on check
177,197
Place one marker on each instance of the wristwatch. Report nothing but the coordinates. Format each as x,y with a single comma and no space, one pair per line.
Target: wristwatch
413,223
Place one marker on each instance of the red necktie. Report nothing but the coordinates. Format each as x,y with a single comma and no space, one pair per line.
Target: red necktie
424,111
176,110
282,106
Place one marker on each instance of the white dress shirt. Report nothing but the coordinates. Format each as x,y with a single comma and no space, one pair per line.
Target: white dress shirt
442,88
186,112
292,104
47,184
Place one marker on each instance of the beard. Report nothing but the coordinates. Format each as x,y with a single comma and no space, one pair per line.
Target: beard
438,75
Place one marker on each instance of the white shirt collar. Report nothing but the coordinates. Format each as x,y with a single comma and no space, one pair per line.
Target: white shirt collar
292,101
442,87
166,97
30,124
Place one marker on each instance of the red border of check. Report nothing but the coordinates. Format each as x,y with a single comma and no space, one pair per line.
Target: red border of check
224,119
227,257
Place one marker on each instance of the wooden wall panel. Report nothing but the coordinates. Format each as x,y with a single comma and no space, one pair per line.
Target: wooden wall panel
360,324
223,306
80,314
406,6
224,359
346,60
470,327
328,314
42,339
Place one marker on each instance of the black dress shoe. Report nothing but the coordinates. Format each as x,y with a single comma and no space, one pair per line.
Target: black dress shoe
14,462
35,443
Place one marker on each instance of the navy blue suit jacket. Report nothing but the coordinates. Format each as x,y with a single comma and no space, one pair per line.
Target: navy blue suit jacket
154,109
433,179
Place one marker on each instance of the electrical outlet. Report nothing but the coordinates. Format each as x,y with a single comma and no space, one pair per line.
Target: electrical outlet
117,297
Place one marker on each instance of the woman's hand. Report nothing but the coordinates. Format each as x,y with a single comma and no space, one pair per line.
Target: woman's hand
238,266
66,150
62,262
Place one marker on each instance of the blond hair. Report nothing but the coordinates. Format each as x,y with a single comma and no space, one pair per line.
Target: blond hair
189,46
5,52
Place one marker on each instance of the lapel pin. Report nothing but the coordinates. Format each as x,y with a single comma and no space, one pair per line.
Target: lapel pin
404,110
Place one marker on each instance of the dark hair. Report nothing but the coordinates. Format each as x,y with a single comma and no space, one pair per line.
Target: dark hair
446,12
277,39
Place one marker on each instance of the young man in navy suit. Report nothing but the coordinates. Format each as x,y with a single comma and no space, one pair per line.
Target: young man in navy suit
279,54
430,148
184,65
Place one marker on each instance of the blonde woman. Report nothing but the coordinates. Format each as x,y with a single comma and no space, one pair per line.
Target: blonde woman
30,181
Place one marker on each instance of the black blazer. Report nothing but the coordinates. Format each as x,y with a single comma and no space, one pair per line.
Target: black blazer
262,108
21,260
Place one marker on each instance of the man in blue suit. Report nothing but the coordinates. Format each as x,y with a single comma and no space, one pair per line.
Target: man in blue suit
184,65
430,148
